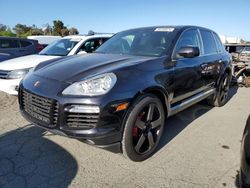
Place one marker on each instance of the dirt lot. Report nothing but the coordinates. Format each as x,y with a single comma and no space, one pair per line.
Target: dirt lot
200,148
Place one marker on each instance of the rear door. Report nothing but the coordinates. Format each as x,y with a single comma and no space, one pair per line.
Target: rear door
212,58
187,74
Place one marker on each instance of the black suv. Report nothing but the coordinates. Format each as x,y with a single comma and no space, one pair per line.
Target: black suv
119,97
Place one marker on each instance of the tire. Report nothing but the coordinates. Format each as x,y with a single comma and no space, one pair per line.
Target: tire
143,128
220,97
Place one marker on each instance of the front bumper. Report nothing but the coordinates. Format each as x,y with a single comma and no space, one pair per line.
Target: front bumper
104,139
9,86
46,107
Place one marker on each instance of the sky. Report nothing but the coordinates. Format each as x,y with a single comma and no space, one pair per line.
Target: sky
226,17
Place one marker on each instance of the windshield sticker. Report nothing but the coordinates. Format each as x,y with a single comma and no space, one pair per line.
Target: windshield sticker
164,29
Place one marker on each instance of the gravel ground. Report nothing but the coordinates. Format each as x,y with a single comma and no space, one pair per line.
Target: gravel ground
200,148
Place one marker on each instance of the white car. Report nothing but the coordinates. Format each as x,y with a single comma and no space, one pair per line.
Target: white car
12,71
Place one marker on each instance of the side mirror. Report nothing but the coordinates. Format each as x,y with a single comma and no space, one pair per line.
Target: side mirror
188,52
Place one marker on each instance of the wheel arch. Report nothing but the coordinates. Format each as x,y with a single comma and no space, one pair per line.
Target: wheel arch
227,70
158,91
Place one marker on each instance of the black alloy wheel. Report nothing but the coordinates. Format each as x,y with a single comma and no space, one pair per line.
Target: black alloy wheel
221,96
143,128
224,88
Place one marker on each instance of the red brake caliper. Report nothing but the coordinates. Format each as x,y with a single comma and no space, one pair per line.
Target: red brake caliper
135,128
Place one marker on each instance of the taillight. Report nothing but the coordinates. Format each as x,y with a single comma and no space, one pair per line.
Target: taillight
39,47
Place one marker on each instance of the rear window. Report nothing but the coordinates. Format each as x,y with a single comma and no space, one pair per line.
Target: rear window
9,43
208,42
220,46
25,43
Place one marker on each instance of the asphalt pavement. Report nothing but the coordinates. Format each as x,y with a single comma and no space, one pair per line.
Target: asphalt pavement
200,148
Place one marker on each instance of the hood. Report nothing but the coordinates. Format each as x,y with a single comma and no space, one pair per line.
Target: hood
24,62
81,66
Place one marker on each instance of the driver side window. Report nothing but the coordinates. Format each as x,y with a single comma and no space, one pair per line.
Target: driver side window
188,38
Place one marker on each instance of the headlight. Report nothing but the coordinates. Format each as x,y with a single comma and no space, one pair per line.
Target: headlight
17,74
98,85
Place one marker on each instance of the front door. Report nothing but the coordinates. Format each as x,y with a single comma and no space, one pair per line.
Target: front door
187,72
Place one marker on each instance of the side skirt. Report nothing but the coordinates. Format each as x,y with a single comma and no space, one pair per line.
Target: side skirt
190,101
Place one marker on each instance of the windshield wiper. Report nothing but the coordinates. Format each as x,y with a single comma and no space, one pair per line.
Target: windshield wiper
98,52
44,54
54,54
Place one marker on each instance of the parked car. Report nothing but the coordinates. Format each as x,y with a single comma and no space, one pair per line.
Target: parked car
118,97
11,47
44,40
245,157
12,71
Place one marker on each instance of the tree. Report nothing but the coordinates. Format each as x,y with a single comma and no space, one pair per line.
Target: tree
73,31
22,30
3,27
6,31
58,25
64,32
36,31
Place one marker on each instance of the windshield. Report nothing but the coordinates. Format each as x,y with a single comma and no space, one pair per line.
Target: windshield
141,42
60,47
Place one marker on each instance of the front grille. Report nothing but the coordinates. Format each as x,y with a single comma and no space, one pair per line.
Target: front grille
55,115
4,74
40,108
82,120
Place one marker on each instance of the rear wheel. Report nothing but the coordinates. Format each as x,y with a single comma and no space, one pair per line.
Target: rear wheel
221,96
143,128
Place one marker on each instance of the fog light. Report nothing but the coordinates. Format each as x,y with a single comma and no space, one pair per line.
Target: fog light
83,109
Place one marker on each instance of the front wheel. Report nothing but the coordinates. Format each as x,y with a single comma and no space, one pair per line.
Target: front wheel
143,128
221,95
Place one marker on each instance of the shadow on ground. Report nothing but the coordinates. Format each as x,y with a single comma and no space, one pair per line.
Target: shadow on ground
175,124
27,159
237,180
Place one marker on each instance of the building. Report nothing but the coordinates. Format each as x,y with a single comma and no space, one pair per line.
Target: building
231,40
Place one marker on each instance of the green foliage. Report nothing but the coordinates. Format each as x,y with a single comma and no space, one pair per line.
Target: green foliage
5,31
58,27
22,30
3,27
